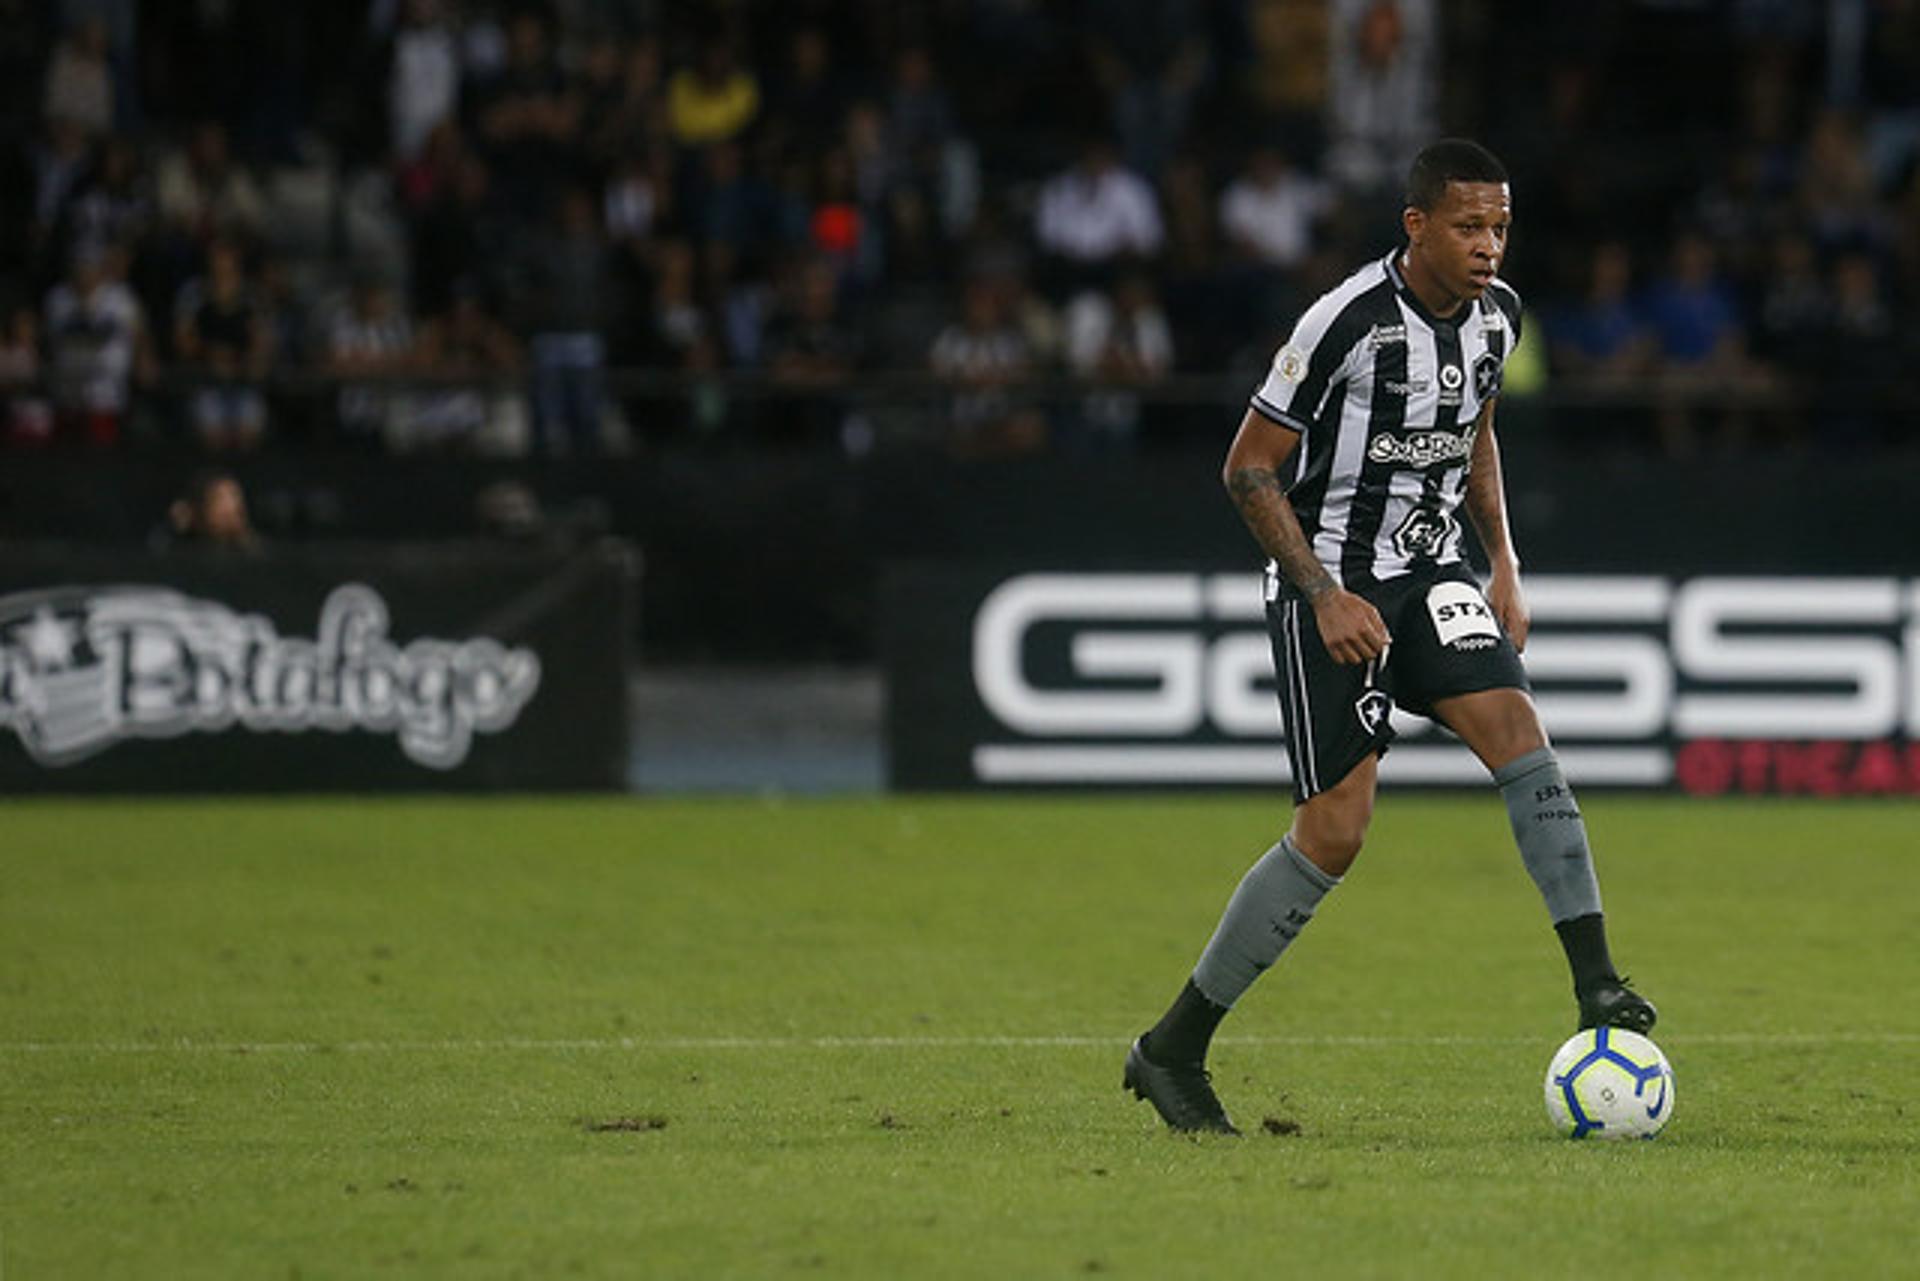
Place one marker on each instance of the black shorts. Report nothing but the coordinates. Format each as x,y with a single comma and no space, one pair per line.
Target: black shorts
1445,642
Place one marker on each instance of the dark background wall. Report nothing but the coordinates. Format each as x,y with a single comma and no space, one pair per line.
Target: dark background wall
757,557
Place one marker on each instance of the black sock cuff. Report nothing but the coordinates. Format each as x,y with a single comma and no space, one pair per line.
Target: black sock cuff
1585,940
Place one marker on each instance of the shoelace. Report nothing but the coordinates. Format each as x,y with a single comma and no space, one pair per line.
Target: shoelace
1196,1092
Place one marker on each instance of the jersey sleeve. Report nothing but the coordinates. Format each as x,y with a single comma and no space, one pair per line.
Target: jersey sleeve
1313,358
1508,301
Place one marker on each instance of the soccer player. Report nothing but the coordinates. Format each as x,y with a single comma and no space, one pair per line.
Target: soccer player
1373,427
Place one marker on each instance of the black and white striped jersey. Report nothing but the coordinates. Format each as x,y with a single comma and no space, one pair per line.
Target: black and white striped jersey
1386,396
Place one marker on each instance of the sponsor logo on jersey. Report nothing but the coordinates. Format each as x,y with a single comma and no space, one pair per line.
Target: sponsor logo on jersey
1421,448
1451,377
1386,336
1411,387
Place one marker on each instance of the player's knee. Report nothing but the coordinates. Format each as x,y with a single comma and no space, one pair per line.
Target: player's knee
1512,741
1331,840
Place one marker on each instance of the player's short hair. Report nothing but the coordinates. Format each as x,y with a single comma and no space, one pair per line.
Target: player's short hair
1449,160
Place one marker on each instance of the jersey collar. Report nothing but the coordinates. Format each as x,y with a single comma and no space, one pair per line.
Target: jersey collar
1413,300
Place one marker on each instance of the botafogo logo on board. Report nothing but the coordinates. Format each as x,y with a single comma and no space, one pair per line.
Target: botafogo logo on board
84,668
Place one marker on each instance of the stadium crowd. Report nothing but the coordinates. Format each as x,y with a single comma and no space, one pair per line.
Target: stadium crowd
459,225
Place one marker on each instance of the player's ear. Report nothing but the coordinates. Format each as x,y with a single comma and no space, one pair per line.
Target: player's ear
1413,220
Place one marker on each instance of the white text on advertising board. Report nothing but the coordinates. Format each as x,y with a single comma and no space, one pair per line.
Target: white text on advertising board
1717,683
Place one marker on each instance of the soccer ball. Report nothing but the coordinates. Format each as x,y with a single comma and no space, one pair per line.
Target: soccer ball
1609,1083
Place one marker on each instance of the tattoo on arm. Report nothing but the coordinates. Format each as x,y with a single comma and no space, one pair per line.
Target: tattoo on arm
1486,494
1263,504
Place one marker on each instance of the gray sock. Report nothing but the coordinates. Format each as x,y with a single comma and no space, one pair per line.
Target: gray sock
1550,832
1275,901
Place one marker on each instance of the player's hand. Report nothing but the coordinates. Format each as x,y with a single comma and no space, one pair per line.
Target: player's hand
1510,606
1350,627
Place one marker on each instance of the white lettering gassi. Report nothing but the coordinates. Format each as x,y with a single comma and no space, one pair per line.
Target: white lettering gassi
1613,658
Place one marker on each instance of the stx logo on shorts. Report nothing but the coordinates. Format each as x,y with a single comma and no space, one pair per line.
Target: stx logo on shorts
1461,617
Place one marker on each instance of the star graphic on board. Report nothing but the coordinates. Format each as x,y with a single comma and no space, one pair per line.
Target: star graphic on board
50,641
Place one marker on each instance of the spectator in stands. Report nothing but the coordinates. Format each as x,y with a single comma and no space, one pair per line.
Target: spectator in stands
98,345
459,234
1794,311
638,194
204,193
1837,198
841,227
1215,303
870,153
569,276
1270,211
1701,347
1096,214
1857,356
211,516
465,342
679,322
1892,82
423,77
742,216
25,414
1121,340
713,101
1601,341
1150,56
286,312
813,348
985,357
220,327
370,337
1283,83
112,205
927,146
808,103
429,174
636,121
1384,89
80,81
1272,215
60,159
920,120
529,120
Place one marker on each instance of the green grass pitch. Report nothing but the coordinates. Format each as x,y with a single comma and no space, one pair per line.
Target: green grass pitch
883,1037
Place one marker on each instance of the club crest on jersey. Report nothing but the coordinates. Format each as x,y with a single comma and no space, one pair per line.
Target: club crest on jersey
1290,364
1424,533
1373,708
1487,376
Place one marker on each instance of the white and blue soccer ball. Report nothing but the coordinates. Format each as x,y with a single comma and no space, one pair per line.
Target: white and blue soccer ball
1609,1083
